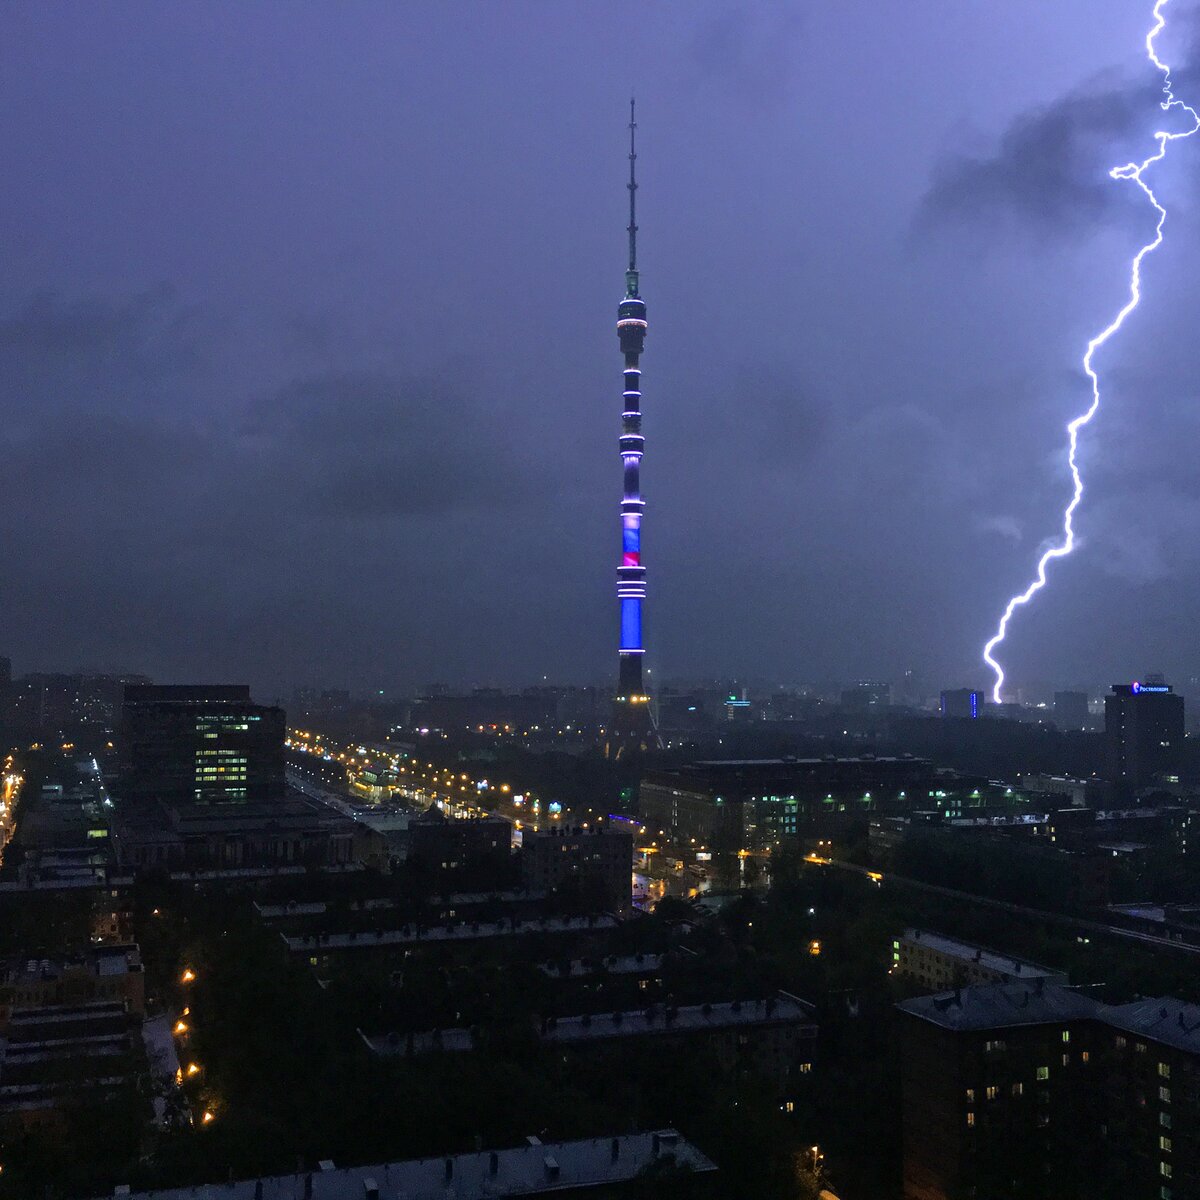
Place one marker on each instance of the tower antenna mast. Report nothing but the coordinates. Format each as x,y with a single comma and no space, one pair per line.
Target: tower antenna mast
632,193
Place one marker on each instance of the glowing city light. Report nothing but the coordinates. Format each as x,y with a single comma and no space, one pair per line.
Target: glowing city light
1133,171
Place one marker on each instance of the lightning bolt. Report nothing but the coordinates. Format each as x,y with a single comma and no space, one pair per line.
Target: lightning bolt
1135,172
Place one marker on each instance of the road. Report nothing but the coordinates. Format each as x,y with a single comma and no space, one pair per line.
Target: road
1078,924
10,795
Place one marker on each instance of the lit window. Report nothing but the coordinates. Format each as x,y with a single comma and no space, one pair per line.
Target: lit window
1066,1035
1164,1070
970,1095
1066,1060
970,1118
1018,1089
1164,1143
1164,1169
1164,1119
1083,1057
805,1068
1164,1094
1121,1043
790,1106
992,1092
1043,1073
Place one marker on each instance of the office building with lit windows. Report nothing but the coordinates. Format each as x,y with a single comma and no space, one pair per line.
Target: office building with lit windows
200,746
1143,736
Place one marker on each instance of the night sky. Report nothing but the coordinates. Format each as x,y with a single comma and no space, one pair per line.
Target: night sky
308,370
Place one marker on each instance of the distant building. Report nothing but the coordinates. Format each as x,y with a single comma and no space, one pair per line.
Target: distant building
937,962
963,703
747,803
291,832
200,745
597,859
535,1168
1071,710
1022,1090
866,695
1143,736
49,706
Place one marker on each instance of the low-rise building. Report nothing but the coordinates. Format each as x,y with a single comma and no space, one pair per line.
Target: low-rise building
101,974
598,861
467,848
938,962
771,1040
51,1056
295,830
1031,1090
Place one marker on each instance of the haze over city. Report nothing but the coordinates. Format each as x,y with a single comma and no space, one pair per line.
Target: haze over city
306,347
599,598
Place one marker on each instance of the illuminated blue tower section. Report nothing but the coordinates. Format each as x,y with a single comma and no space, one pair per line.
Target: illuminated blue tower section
632,722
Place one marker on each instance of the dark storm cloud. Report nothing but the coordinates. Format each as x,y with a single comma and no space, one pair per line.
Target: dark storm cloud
55,351
1050,168
113,389
366,444
1049,171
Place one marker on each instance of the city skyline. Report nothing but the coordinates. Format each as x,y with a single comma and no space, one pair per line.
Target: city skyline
253,418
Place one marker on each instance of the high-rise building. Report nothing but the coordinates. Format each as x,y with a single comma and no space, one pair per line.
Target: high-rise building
1143,735
1071,710
200,745
962,702
632,721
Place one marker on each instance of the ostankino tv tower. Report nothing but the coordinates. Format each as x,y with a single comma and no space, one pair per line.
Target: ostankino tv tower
632,722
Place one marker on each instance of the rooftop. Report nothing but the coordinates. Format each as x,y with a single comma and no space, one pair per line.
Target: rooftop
533,1169
1002,1005
408,934
624,964
989,959
447,1041
1167,1020
783,1008
96,960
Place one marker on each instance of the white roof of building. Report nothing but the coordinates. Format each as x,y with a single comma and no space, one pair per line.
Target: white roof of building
530,1170
783,1008
443,933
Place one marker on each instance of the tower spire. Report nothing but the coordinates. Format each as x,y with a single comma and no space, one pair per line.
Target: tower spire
632,185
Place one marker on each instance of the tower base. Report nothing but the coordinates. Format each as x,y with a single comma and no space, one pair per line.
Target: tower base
631,728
